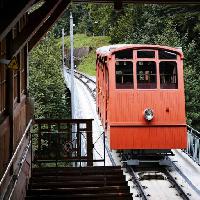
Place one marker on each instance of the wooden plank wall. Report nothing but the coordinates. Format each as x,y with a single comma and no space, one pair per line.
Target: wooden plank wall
19,98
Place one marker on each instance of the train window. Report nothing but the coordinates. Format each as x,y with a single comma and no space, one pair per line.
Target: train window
146,75
167,55
146,54
124,74
168,75
124,54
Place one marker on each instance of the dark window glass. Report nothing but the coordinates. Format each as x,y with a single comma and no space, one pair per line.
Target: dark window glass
125,54
146,54
146,75
167,55
168,75
124,74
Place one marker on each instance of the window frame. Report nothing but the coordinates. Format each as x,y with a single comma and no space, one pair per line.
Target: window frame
136,59
156,74
124,60
157,61
177,74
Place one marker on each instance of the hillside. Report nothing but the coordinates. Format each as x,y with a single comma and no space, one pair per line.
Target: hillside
87,64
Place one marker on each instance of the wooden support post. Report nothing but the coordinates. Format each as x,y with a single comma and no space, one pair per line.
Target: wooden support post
48,24
19,79
11,14
89,143
118,5
35,20
26,64
10,98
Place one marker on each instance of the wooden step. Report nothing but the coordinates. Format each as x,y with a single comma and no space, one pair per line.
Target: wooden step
105,196
77,178
74,171
79,190
85,183
70,184
99,168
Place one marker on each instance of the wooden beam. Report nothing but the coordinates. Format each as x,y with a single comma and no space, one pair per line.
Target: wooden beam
48,24
35,20
11,15
140,1
118,5
9,96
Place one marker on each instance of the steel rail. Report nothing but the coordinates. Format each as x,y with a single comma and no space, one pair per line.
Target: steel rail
162,169
85,76
110,155
79,76
135,180
182,194
88,87
186,178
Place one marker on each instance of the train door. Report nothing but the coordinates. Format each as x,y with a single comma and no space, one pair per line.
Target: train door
103,94
101,90
98,83
106,95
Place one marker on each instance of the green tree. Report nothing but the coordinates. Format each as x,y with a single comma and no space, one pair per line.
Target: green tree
46,81
151,24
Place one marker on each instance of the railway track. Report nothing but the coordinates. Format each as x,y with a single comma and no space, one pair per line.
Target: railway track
153,172
193,135
91,86
164,171
87,81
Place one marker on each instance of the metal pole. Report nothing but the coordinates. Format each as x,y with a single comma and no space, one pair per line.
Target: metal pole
72,82
72,64
63,48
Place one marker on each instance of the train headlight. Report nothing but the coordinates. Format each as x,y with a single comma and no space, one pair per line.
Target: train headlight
148,114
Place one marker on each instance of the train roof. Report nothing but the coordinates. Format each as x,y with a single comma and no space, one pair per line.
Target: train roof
108,50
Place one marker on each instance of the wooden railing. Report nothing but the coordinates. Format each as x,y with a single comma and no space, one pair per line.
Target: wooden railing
7,189
63,140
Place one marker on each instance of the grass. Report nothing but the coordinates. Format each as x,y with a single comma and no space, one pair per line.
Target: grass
82,40
88,63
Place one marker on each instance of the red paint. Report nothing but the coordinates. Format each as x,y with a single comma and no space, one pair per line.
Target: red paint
123,109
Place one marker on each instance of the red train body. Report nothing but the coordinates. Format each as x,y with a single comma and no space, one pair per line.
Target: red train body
140,96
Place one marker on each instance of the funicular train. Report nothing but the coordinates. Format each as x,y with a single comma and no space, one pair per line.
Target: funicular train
140,97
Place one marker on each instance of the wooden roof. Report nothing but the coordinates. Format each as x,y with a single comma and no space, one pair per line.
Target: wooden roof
140,1
41,19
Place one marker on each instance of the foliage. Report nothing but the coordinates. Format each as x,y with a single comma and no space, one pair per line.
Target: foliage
63,23
176,26
46,81
88,65
82,40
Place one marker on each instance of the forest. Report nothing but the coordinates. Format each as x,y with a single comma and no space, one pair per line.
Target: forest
176,26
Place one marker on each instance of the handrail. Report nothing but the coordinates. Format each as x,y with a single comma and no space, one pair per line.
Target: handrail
64,150
20,169
195,131
16,151
193,144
